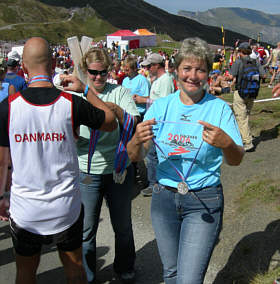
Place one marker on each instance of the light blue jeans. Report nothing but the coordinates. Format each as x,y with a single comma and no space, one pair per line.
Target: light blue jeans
118,199
186,229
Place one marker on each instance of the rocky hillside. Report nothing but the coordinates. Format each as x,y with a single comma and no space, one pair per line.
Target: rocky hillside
21,19
133,14
245,21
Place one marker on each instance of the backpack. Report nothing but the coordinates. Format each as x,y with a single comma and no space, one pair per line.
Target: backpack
249,84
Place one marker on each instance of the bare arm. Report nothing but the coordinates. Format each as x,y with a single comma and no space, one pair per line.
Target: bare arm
138,146
215,136
119,113
12,90
139,99
276,91
4,162
74,84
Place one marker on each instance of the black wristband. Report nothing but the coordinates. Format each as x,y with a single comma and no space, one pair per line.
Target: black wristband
2,197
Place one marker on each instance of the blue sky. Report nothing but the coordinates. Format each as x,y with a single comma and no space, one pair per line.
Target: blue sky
173,6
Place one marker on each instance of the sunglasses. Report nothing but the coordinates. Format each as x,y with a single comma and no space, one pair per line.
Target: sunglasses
96,72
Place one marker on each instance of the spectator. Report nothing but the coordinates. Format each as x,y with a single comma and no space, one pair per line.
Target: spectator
274,59
220,84
5,88
12,78
117,74
219,59
162,86
243,104
136,83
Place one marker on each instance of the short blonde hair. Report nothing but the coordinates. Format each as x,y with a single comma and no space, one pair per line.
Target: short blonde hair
94,55
131,62
195,48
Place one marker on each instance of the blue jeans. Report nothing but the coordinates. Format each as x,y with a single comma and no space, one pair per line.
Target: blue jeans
118,198
186,229
152,162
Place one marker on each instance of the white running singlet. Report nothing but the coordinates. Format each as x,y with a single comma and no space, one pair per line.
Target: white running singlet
45,196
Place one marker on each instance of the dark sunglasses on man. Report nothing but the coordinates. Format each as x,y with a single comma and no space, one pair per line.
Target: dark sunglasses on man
96,72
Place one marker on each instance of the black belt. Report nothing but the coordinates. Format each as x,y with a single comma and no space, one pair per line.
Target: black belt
175,190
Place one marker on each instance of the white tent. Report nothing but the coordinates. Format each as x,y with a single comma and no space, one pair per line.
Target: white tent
120,35
146,37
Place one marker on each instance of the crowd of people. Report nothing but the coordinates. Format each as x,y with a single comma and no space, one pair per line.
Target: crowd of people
86,139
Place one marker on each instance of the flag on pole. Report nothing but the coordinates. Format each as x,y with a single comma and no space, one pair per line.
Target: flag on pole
223,37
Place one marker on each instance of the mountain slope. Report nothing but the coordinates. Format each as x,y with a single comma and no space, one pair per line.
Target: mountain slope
246,21
133,14
97,18
21,19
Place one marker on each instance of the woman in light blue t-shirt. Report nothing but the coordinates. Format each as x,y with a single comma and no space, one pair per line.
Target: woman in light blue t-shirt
193,131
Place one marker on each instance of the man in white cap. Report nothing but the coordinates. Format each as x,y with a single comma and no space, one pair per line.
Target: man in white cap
162,86
12,68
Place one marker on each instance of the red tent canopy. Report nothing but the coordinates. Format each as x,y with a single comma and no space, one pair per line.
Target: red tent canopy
123,33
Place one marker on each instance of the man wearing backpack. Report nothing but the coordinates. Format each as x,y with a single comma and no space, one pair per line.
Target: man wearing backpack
246,73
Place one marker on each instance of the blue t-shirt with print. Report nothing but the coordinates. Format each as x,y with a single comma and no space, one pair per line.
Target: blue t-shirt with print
180,138
140,86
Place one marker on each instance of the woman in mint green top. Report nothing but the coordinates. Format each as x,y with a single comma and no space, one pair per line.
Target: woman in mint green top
99,181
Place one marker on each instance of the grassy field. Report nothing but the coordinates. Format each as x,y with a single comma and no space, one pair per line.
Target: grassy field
265,116
267,278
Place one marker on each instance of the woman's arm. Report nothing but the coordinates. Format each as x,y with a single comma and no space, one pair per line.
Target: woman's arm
72,83
119,113
216,137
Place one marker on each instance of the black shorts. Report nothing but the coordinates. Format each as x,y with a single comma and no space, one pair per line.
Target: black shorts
28,244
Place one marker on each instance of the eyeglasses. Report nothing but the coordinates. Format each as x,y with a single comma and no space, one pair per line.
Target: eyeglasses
96,72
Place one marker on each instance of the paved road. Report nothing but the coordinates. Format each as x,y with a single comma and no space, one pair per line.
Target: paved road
50,270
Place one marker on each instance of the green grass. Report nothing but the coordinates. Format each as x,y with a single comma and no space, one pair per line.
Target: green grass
266,278
34,13
265,116
264,191
258,161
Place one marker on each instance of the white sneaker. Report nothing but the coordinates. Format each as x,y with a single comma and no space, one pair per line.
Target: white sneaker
270,86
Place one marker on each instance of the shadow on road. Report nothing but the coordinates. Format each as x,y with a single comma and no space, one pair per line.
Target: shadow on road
267,134
255,254
4,232
148,267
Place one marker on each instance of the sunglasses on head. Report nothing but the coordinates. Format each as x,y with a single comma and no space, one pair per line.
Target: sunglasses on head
96,72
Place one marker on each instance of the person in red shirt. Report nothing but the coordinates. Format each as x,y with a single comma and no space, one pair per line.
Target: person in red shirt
117,74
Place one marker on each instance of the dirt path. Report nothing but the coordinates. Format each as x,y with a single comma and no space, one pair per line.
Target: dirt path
8,27
249,241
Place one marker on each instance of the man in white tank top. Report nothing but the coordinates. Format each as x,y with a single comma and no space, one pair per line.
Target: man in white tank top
39,127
